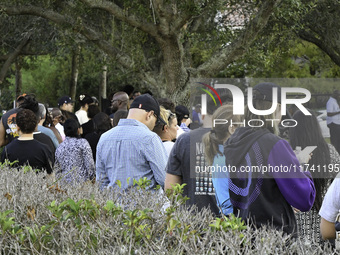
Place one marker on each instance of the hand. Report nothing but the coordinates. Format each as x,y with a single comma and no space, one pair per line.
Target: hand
303,158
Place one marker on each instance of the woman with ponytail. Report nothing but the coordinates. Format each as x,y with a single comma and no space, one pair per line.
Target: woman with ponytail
213,145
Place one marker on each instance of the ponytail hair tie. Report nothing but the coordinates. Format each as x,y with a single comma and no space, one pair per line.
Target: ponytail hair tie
213,131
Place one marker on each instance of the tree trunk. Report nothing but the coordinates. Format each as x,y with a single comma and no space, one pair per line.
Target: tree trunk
75,72
18,78
176,76
102,86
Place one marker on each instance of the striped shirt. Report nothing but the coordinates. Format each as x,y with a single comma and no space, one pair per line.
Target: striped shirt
130,150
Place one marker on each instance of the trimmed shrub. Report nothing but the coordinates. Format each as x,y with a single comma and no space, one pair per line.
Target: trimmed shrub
39,219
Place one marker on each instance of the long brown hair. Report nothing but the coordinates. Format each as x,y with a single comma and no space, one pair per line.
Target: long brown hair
219,133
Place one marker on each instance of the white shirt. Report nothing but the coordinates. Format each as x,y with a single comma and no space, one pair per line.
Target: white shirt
168,146
60,129
333,106
331,203
82,116
179,131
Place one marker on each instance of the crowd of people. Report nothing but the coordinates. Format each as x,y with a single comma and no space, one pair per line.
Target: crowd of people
139,136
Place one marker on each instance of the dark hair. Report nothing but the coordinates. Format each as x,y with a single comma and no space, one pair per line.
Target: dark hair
85,99
181,111
308,133
120,114
21,99
48,120
71,128
102,122
26,121
167,104
31,103
92,111
128,89
225,96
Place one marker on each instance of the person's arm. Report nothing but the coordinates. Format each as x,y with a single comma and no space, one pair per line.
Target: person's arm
221,186
330,209
331,114
3,140
327,229
171,180
296,186
101,173
332,109
157,158
176,162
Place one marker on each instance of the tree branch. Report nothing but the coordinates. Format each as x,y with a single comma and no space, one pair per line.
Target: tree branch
322,44
238,47
68,21
23,52
12,57
120,14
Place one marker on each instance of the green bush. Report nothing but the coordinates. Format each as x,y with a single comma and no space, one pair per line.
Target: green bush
40,219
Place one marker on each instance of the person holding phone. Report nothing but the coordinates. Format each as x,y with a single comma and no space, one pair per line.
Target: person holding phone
307,134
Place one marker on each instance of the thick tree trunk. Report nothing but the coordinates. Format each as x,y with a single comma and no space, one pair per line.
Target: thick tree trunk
175,74
18,78
74,72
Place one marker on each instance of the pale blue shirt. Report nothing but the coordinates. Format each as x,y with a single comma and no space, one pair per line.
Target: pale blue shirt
130,150
50,133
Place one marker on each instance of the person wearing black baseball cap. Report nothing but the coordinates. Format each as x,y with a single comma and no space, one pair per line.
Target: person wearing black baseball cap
66,105
150,106
131,150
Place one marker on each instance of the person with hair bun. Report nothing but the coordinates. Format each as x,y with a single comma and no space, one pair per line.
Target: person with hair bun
74,160
25,149
84,100
213,148
167,132
183,119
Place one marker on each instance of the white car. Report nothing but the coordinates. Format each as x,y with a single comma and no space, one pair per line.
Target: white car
322,115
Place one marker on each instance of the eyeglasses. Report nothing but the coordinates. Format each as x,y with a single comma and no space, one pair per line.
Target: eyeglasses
171,115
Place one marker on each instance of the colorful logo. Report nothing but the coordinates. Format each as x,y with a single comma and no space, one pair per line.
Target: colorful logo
208,92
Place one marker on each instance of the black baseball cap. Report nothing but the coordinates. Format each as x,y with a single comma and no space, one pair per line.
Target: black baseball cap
64,100
183,111
147,103
266,91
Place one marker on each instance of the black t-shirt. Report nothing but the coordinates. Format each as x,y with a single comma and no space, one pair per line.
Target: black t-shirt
10,124
87,127
186,154
93,139
31,152
45,139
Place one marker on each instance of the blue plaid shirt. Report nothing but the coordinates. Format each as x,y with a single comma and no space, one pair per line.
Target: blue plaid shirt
130,150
